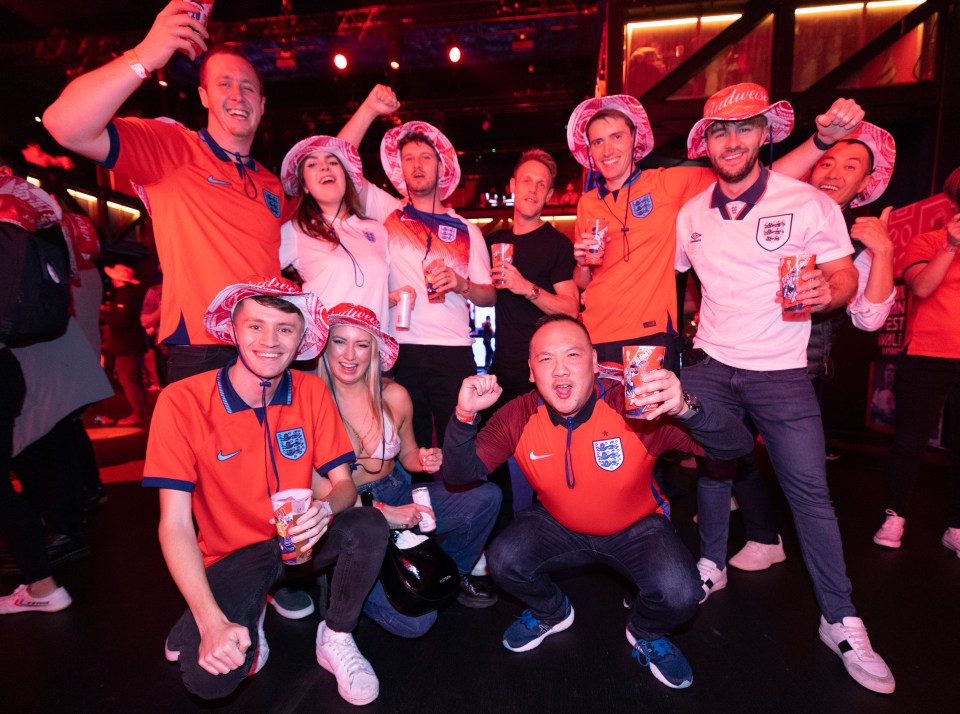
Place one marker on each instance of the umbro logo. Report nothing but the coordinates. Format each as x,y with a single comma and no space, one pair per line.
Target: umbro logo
224,457
695,237
217,182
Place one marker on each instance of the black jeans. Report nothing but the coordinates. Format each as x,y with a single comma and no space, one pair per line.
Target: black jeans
921,387
19,523
432,374
187,360
356,542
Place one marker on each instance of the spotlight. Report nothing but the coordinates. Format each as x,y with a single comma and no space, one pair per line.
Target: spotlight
162,78
394,64
340,61
453,49
394,50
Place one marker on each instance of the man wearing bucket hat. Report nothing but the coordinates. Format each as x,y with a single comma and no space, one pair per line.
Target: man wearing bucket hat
216,211
853,172
631,297
221,444
436,352
341,256
754,362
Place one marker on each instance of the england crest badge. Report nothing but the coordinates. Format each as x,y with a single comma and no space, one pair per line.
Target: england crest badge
273,202
292,443
774,231
608,453
641,207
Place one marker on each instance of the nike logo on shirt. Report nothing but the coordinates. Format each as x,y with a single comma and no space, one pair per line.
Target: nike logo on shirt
534,457
218,182
223,457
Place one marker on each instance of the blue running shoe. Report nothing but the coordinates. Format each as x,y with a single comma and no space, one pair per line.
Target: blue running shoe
665,661
528,632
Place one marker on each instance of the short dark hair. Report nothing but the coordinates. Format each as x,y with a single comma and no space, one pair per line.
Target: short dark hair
851,142
759,121
560,317
274,302
228,48
541,156
416,137
951,187
608,114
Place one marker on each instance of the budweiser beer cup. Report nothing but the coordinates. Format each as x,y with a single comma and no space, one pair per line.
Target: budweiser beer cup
422,496
202,15
429,266
791,268
404,306
288,506
638,360
596,248
501,253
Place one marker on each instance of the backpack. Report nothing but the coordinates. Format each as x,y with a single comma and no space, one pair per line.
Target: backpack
34,284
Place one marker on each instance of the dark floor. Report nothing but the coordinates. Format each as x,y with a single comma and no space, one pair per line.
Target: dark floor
753,646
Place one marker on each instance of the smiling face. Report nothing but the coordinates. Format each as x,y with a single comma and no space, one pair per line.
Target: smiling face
532,188
842,172
562,365
733,148
234,101
611,149
421,168
267,338
349,353
323,178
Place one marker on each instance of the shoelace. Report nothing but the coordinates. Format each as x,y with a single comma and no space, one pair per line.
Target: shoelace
857,638
660,647
347,653
528,620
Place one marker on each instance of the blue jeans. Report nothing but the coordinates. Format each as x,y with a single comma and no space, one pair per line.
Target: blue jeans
465,519
649,552
783,407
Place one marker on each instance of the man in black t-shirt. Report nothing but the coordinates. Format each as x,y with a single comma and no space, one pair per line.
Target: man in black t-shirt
538,281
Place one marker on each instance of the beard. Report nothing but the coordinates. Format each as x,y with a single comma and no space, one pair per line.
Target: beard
734,177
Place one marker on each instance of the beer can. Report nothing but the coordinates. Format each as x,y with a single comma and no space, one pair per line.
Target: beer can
403,310
421,496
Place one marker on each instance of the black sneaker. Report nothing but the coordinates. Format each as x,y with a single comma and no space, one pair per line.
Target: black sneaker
93,497
476,591
291,603
61,547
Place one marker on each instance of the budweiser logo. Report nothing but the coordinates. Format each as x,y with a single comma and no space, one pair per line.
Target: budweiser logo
747,95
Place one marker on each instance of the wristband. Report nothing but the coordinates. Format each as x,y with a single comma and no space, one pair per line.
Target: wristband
467,290
949,247
820,143
325,505
131,57
463,416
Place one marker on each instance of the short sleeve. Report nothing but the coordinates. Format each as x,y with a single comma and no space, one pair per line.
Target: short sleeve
144,150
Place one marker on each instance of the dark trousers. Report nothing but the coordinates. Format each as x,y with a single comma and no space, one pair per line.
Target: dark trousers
922,386
187,360
356,542
649,552
432,374
19,523
613,351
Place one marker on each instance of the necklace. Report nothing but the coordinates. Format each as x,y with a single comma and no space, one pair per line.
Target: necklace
362,437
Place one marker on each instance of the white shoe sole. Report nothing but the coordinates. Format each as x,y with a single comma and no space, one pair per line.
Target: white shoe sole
857,673
559,627
655,671
291,614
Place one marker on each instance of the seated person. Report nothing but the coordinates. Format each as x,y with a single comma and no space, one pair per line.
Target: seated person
598,503
221,443
378,415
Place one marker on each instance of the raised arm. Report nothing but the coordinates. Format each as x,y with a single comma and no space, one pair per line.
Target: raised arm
843,116
223,644
379,103
78,118
924,279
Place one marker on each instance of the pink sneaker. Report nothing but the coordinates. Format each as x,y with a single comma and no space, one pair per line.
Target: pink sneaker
951,539
758,556
890,532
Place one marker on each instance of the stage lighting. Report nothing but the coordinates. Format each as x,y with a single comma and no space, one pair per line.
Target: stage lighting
340,61
453,49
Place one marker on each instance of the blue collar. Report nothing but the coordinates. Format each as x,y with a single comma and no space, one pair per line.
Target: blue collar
751,196
602,189
232,401
577,419
222,153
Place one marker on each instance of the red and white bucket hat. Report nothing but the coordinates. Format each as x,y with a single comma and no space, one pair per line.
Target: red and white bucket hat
390,157
624,103
884,150
219,316
345,152
735,103
363,318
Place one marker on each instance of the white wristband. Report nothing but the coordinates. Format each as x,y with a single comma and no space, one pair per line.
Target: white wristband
131,57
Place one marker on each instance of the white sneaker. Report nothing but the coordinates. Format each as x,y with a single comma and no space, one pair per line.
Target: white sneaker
951,539
20,600
849,640
338,654
711,576
891,531
758,556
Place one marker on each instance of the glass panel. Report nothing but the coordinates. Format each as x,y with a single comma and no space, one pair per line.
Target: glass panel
910,59
653,49
838,31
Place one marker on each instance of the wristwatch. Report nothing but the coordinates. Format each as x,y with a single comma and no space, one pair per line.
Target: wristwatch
534,294
694,407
